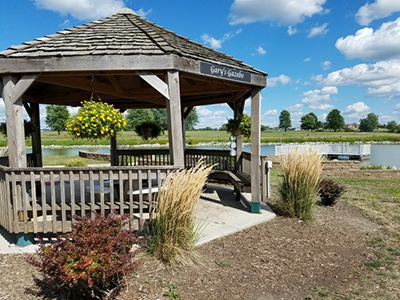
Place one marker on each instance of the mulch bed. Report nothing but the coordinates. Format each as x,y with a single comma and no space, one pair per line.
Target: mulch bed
280,259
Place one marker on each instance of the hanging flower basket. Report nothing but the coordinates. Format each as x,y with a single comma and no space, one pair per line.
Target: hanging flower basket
96,120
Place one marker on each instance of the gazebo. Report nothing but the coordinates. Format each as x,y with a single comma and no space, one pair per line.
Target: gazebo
128,62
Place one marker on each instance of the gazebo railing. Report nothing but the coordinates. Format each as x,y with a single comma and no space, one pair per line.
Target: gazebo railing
139,157
47,199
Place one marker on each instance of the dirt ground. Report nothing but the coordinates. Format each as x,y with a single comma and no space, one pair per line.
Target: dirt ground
280,259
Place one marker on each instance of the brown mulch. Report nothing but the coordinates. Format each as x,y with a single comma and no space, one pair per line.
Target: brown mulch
280,259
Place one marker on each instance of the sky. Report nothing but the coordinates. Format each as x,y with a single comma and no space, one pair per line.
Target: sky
319,54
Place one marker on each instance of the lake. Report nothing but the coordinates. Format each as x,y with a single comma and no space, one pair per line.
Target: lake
381,154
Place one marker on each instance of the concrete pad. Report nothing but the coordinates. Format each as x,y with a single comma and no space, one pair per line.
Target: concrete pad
218,214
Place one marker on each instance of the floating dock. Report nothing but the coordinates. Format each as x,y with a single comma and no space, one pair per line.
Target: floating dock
332,151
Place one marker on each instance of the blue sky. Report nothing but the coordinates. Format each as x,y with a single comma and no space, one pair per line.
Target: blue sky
319,54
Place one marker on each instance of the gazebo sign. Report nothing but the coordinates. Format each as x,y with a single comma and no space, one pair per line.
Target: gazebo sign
224,72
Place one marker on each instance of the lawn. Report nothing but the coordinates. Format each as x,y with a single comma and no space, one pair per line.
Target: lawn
196,137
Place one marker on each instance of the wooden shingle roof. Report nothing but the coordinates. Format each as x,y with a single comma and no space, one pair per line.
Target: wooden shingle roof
123,34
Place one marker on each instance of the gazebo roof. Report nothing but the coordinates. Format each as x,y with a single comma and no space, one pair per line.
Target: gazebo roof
108,57
124,33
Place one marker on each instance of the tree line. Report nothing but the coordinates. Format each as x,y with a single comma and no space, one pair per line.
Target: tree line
334,121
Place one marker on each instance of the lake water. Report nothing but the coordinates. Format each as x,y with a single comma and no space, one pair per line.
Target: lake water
381,154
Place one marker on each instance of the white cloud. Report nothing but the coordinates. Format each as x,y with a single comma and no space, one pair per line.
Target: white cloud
291,30
296,110
289,12
270,112
144,13
326,65
382,78
307,59
356,110
217,43
82,9
261,50
377,10
396,109
314,98
282,79
319,30
208,117
382,44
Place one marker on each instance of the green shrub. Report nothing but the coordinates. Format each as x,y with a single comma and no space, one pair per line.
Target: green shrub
89,262
299,188
329,192
76,162
172,232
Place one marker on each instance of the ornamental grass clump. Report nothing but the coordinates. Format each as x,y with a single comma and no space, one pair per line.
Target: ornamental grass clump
172,232
96,120
299,187
90,262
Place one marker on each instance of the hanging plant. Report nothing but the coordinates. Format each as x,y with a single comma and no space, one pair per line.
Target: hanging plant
148,130
241,126
96,120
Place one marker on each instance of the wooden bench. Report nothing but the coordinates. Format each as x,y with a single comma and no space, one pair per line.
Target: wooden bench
240,181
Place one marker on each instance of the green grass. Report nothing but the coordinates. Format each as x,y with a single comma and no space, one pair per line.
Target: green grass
63,160
379,199
195,137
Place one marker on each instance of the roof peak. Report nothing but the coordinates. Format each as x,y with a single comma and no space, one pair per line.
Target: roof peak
126,11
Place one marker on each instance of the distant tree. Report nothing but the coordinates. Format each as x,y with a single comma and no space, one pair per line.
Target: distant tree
284,120
159,115
309,121
370,123
392,126
264,128
56,116
335,120
135,117
191,120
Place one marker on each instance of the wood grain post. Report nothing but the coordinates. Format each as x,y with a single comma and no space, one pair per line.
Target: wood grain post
174,112
255,150
15,124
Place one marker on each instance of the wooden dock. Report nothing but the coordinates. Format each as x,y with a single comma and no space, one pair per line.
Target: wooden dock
341,151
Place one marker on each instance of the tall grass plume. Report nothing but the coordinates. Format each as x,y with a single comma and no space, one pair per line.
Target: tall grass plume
172,232
299,187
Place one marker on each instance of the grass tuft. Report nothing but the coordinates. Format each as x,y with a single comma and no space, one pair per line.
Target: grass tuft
299,187
172,232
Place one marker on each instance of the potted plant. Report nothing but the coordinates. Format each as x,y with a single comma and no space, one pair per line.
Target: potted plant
148,130
240,126
96,120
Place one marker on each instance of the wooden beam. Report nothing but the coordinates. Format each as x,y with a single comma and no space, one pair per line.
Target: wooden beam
15,121
159,85
87,64
22,85
255,150
174,113
114,82
83,84
187,112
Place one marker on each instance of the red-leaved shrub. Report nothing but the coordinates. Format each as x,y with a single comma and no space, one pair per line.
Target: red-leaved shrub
92,259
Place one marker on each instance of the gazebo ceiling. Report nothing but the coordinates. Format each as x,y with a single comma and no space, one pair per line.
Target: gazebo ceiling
121,59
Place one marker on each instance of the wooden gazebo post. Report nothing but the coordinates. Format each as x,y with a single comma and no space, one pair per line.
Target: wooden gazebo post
255,150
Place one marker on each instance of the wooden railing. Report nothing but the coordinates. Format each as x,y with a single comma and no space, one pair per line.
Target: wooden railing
29,160
47,199
220,158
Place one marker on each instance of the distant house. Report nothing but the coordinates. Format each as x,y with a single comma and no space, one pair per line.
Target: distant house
353,126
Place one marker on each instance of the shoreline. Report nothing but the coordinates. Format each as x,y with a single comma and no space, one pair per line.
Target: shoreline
209,144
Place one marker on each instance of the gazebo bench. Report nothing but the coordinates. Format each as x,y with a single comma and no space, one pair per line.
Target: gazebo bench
239,180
